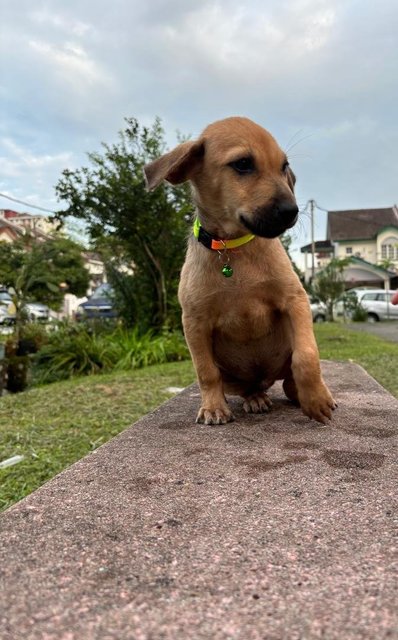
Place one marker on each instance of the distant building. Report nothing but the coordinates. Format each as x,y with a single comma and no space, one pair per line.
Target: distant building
369,237
13,225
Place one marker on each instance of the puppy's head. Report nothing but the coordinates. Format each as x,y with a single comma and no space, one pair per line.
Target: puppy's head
241,179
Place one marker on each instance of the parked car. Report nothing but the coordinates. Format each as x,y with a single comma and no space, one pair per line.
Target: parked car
35,311
318,310
7,315
7,309
99,304
5,297
377,303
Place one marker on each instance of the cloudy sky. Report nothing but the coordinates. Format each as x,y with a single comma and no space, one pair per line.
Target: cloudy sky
321,75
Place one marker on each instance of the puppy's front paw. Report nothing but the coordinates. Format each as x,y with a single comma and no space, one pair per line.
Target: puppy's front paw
257,403
215,416
317,403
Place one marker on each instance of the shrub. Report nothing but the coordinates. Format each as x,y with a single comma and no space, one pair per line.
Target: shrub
353,308
71,350
79,350
359,314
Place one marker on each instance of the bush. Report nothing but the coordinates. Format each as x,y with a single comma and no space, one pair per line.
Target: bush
353,308
133,349
359,314
33,336
71,350
79,350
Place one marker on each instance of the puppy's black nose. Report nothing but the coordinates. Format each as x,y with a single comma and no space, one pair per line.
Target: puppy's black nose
287,211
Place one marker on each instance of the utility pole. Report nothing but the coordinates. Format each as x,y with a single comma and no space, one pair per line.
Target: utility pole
312,207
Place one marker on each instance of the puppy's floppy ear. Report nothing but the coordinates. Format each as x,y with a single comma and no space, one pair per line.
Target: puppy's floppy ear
291,179
176,166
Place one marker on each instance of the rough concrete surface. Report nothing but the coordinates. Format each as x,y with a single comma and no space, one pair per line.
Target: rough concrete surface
272,527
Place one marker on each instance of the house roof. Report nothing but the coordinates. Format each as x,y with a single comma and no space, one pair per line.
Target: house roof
321,246
376,267
17,224
11,230
9,213
364,224
354,261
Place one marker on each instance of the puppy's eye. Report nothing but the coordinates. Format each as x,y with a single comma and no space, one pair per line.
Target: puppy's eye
285,167
243,165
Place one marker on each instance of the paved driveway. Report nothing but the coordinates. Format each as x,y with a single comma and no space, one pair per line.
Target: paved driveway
385,330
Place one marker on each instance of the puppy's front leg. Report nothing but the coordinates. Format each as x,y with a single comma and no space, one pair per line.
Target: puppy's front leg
214,409
314,397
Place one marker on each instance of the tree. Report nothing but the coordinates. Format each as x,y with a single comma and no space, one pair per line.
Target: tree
129,226
328,285
286,240
387,264
36,271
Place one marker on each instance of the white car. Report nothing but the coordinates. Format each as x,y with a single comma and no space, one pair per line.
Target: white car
7,309
318,310
377,303
35,311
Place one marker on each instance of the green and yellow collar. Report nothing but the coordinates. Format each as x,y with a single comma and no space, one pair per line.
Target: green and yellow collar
211,242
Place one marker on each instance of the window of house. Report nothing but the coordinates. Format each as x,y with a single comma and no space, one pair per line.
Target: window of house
348,250
389,249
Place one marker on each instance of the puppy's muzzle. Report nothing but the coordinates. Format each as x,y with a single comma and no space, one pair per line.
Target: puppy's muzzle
272,220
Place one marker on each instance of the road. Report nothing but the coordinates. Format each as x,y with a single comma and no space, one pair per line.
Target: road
386,330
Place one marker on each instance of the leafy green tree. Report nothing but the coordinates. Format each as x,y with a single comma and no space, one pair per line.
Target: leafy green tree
286,240
42,271
387,264
328,284
132,228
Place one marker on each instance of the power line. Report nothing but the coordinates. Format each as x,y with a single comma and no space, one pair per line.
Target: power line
26,204
321,208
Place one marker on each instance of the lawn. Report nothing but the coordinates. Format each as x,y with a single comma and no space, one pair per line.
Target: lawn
378,357
55,425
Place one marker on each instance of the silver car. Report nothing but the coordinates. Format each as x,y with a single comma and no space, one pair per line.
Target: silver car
377,303
318,310
7,309
37,312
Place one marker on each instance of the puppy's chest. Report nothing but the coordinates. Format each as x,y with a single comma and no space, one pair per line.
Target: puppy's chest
246,317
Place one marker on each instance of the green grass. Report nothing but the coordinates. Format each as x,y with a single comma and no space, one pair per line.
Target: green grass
378,357
56,424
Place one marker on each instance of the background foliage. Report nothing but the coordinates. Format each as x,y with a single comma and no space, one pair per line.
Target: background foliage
140,235
35,270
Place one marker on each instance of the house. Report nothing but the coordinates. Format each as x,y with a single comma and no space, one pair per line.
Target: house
13,225
369,237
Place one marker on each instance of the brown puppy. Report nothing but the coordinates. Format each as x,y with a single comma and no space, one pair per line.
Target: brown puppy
246,316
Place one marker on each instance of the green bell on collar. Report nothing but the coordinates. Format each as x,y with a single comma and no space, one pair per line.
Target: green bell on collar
227,271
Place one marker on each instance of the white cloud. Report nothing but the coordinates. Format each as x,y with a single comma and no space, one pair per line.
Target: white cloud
27,175
71,61
44,17
20,158
245,42
328,69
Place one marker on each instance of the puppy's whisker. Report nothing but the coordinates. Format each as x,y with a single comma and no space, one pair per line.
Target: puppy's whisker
287,151
290,141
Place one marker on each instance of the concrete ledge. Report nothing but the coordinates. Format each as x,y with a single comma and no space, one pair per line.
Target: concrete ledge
271,527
